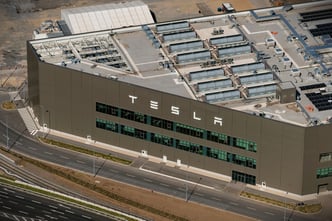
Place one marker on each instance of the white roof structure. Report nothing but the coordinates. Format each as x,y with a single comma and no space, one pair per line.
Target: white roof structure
106,16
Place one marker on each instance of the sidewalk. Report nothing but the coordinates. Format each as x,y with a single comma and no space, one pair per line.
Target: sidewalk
258,190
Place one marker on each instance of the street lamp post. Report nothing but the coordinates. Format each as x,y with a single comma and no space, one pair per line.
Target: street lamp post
7,136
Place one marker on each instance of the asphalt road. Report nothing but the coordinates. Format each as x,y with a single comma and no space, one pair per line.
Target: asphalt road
142,173
19,205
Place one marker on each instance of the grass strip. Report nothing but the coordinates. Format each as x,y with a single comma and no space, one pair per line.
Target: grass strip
306,208
85,151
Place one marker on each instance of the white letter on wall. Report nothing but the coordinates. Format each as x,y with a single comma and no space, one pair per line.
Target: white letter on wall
133,98
194,116
217,120
175,110
154,105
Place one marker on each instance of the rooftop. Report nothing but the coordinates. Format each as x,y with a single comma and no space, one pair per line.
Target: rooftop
245,61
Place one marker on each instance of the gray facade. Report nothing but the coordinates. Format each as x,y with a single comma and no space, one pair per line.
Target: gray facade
286,156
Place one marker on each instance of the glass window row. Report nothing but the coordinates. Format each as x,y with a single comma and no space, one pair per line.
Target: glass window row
178,144
324,172
178,127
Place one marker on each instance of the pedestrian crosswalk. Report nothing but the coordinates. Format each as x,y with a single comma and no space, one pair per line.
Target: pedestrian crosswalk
28,120
34,132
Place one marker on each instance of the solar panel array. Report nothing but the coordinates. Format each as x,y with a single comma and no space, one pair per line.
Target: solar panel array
322,29
316,15
151,36
321,101
312,86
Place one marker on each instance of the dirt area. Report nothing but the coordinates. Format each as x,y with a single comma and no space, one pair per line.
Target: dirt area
175,206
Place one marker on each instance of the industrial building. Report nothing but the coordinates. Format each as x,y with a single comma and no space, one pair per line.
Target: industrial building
247,95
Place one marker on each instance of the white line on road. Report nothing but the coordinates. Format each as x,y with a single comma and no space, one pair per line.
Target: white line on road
6,207
47,212
127,174
199,194
54,207
51,217
4,192
164,184
57,211
19,143
63,217
268,213
13,202
26,213
32,148
147,180
64,206
35,201
69,211
235,204
175,178
20,197
30,207
215,198
81,162
4,196
86,217
251,208
64,157
8,190
49,153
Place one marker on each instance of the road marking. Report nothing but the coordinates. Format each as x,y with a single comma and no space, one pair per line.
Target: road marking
13,202
64,206
30,207
33,132
114,171
215,198
49,153
35,201
20,197
147,180
26,213
268,213
18,143
54,207
51,217
251,208
235,204
199,194
11,191
69,211
64,157
6,207
4,196
57,211
63,217
47,212
81,162
86,217
4,192
130,175
32,148
164,184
